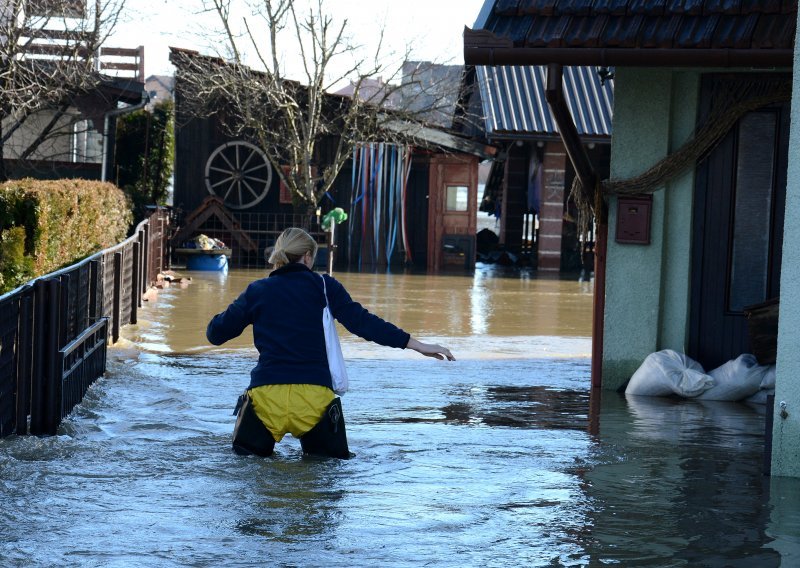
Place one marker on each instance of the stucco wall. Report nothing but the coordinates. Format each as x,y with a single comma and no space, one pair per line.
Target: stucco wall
786,431
647,287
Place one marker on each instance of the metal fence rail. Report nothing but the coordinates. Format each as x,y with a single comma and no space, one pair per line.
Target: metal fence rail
54,330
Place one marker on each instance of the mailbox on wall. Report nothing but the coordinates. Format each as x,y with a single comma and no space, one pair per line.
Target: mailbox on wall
633,219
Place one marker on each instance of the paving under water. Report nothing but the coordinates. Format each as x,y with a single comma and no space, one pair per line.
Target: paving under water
502,458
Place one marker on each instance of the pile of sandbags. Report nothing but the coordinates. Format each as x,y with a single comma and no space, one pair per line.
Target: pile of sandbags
668,372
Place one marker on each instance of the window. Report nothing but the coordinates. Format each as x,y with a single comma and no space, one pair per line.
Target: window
457,198
752,210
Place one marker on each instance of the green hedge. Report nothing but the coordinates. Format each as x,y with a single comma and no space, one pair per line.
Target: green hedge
48,224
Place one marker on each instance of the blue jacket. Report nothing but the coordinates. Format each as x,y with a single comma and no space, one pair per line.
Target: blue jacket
285,311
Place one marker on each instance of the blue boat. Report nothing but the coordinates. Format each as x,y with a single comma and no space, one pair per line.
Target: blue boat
205,259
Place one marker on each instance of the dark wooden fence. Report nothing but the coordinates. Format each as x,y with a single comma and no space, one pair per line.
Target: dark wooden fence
54,330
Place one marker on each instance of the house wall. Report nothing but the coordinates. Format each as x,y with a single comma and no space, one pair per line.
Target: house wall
58,145
786,431
647,286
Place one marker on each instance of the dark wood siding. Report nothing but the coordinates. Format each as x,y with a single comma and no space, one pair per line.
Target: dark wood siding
195,140
516,201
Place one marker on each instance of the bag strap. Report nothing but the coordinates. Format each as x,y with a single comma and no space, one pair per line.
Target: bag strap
325,291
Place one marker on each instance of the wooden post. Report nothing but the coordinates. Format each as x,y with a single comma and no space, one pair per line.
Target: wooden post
595,398
52,378
63,316
599,302
94,289
135,292
145,259
38,347
24,363
117,296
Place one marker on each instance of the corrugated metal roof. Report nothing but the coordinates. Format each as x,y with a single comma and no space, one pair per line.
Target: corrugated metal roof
513,99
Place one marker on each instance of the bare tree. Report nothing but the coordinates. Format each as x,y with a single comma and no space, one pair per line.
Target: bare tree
306,132
48,55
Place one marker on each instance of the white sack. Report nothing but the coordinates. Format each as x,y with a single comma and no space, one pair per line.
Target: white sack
668,372
768,382
760,397
767,387
736,379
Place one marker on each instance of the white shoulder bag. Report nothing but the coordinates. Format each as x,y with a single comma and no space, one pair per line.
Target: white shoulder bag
332,346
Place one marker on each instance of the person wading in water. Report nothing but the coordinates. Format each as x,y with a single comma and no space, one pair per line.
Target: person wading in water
291,390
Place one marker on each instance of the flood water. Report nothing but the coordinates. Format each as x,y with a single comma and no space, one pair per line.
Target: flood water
501,458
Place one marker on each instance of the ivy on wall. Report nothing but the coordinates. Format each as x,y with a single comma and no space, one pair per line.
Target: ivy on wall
145,151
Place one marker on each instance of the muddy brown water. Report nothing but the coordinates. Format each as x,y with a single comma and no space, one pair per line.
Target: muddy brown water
502,458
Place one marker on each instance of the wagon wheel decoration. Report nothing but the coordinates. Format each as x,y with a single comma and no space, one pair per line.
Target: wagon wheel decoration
239,173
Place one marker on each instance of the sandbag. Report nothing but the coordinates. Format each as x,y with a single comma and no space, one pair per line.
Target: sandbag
768,382
736,379
668,372
767,387
760,397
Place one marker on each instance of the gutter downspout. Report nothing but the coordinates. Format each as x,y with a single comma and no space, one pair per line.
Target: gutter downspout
106,122
554,93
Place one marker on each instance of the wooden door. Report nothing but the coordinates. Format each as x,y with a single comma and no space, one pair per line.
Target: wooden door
740,195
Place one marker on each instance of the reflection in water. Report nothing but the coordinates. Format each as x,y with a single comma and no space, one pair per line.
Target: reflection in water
511,406
493,460
308,507
679,483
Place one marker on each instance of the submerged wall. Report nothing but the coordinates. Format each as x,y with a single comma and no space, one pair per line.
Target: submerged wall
647,286
786,431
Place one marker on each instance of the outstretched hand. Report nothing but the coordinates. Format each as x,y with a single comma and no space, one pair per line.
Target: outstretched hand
430,350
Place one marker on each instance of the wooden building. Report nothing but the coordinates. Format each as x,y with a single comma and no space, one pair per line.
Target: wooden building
408,205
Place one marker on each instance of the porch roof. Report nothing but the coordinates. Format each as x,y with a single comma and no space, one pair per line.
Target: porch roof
514,101
676,33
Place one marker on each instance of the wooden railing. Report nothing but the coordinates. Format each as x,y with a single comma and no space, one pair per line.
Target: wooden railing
130,61
54,331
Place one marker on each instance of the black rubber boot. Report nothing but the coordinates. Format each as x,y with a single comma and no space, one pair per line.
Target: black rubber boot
328,437
250,436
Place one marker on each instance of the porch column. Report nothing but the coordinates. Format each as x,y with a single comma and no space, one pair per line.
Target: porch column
786,425
642,103
551,207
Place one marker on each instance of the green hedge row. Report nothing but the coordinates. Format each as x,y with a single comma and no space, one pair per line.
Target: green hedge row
48,224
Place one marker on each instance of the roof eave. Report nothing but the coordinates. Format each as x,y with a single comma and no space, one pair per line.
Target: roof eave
628,57
509,135
439,137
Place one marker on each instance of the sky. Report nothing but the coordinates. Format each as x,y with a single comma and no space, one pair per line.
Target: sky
431,28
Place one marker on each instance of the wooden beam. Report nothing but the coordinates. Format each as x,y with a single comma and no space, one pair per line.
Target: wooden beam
120,51
554,93
120,66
